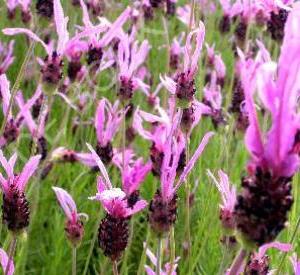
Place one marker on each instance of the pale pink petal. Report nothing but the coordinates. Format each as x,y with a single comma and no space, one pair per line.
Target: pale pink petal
284,247
99,120
66,202
193,160
4,261
61,23
5,92
28,170
14,31
101,166
296,264
6,165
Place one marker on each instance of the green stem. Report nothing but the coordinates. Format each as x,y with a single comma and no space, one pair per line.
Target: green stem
87,262
173,250
11,252
74,252
291,242
143,257
158,256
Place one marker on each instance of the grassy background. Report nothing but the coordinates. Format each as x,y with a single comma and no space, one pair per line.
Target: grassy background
44,250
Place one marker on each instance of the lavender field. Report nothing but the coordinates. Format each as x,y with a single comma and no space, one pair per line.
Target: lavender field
156,137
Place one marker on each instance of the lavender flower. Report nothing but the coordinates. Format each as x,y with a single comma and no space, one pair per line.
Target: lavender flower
15,208
74,226
163,207
262,207
113,230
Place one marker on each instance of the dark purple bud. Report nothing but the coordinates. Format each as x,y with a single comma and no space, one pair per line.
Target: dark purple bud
262,208
105,152
52,70
224,25
45,8
26,16
259,266
126,89
171,7
74,68
15,209
113,236
162,215
276,24
74,232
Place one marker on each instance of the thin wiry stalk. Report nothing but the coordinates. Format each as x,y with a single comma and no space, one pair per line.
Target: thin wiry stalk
191,15
172,249
278,271
143,257
88,258
115,268
74,252
16,86
11,252
238,262
158,256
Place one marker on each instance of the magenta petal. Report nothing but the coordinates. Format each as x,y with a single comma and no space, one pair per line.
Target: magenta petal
140,205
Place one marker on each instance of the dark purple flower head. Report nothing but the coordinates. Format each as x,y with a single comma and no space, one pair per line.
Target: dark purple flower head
15,207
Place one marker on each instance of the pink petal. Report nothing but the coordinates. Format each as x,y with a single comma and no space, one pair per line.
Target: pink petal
101,166
61,26
193,160
28,170
140,205
99,120
66,202
6,165
14,31
284,247
4,261
5,92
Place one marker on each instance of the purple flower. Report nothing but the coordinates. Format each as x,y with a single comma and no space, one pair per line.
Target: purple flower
273,158
259,261
18,181
183,85
107,122
113,199
130,57
133,173
13,124
15,208
274,150
74,226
